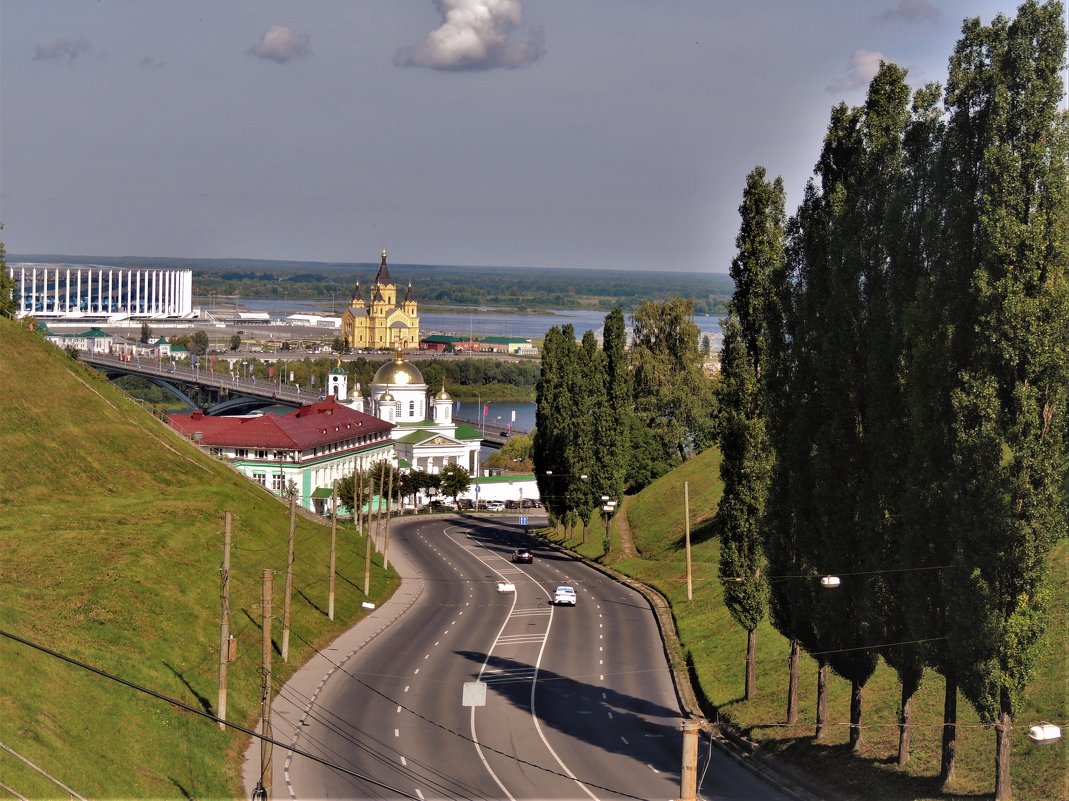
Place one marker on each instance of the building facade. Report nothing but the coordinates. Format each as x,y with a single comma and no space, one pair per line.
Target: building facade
382,323
310,448
66,291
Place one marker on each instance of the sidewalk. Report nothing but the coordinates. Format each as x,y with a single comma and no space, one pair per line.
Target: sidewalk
287,717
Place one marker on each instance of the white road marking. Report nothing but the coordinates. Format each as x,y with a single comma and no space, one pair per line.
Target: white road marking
610,716
648,765
625,741
396,732
419,794
404,761
417,670
398,708
406,688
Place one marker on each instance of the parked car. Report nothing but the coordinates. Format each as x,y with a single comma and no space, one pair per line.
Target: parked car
564,595
495,506
523,555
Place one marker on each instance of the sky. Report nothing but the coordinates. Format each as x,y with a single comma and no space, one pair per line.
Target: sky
520,133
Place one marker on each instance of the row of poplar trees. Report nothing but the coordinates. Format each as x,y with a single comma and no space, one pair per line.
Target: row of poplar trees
611,419
893,396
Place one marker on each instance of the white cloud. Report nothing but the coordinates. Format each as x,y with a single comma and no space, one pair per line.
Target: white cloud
864,64
911,11
475,35
69,49
281,43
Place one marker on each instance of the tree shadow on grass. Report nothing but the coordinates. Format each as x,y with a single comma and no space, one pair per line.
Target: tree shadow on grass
256,622
205,704
855,775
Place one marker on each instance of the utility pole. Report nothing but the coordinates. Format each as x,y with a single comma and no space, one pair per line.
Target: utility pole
688,776
289,582
263,787
333,550
224,625
686,512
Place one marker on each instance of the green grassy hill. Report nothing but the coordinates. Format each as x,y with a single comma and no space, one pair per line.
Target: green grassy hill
717,647
110,549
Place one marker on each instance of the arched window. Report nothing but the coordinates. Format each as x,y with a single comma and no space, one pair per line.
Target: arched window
411,408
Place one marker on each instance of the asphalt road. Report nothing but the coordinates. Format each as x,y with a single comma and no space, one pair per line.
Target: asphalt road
579,702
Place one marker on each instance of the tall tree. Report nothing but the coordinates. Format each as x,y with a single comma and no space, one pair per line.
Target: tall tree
554,419
455,480
1008,150
581,455
614,425
673,397
8,291
755,316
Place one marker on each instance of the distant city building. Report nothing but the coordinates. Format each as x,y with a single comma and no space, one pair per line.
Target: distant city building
382,323
71,292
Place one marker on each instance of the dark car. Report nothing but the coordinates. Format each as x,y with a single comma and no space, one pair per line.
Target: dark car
522,555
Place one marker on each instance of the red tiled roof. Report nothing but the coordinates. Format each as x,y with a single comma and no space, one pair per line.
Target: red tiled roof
312,426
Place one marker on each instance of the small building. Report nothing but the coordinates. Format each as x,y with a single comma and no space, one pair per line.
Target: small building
92,341
310,448
515,346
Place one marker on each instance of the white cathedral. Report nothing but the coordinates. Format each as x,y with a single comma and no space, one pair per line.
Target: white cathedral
425,435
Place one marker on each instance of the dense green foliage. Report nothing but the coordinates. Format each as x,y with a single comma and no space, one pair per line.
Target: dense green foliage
753,336
918,415
8,290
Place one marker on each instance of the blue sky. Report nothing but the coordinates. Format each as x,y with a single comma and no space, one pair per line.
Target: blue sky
533,133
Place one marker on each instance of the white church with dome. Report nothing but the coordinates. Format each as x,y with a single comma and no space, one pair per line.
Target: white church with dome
425,436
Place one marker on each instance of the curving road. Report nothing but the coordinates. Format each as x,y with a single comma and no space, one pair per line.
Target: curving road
579,702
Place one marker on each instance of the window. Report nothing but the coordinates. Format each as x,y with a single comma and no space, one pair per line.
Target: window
277,481
261,454
411,408
241,453
260,478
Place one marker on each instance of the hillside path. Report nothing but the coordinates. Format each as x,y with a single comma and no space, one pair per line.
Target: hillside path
627,542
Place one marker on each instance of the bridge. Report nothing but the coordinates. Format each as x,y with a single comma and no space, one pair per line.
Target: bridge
220,393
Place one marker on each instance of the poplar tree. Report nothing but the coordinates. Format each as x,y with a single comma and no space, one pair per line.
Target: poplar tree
1008,150
615,423
752,332
554,419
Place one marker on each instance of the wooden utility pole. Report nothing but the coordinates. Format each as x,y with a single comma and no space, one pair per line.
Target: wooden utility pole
333,550
378,506
265,690
686,514
389,514
224,625
289,582
688,777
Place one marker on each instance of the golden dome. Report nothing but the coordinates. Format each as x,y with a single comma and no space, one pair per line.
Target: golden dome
443,395
398,373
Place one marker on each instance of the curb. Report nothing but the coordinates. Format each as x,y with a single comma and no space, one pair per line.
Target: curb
739,749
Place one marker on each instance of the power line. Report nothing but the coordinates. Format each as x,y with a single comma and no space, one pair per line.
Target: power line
200,712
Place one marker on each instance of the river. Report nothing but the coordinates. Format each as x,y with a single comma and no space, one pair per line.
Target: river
479,322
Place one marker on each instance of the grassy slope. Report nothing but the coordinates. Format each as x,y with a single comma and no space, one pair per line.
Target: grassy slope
718,646
110,547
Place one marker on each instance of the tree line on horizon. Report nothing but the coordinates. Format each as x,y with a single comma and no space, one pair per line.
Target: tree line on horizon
895,383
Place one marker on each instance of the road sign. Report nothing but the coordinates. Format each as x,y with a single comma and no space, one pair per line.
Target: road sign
474,693
523,520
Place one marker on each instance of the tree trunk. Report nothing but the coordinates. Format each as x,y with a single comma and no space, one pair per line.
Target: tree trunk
586,525
905,717
751,664
950,729
822,700
1003,747
794,667
856,688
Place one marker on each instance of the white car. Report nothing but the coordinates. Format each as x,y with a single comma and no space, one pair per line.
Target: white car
495,506
564,595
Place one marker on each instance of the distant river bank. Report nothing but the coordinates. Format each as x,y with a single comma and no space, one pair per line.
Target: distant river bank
481,322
